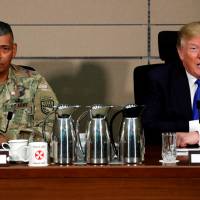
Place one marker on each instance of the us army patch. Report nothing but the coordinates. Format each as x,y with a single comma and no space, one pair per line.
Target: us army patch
47,104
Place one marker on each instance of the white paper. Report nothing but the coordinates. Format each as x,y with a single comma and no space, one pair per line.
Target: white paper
185,151
3,158
195,158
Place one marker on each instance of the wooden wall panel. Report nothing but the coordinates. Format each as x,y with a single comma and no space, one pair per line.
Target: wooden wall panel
74,11
154,36
86,41
88,81
174,11
89,48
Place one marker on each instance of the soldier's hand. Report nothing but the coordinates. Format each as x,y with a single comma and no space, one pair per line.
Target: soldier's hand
2,138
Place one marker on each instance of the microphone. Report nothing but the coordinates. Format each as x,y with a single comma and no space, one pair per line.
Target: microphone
9,117
198,108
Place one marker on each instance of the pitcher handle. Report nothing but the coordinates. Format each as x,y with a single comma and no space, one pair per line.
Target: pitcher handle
111,132
80,118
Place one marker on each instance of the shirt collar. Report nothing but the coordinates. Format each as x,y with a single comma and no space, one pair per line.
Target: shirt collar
191,79
11,75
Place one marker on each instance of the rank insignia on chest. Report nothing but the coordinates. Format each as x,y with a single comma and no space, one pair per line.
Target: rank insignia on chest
47,104
21,105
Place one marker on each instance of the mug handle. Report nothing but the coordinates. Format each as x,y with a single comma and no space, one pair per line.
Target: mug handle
5,143
5,148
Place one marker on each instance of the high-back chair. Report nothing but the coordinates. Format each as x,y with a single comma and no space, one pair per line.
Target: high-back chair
167,46
167,52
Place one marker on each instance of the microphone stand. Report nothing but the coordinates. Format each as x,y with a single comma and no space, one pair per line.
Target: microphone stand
9,117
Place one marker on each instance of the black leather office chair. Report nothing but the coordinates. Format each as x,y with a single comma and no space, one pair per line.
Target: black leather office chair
167,52
167,46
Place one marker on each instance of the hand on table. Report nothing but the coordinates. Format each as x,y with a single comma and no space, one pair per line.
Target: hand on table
2,138
186,138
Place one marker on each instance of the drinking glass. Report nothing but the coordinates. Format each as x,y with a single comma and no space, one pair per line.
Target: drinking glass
169,147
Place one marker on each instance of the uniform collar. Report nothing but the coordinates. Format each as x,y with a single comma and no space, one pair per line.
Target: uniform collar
11,74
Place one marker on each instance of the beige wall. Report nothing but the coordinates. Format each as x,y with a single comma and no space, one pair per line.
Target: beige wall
88,49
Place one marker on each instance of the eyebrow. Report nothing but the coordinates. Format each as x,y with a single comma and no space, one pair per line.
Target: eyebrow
5,45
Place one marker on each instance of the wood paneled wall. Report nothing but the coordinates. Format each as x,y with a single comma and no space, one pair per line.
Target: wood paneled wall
87,50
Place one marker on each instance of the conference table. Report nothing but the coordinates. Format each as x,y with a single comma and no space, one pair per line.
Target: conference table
149,180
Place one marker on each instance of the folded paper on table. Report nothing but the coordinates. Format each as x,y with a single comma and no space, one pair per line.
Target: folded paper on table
185,151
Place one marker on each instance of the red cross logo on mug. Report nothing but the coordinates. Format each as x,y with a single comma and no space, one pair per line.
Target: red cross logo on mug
39,155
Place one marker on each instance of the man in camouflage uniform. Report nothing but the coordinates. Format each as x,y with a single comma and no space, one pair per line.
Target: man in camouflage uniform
26,99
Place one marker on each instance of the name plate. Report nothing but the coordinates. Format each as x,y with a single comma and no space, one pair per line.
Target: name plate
4,157
194,157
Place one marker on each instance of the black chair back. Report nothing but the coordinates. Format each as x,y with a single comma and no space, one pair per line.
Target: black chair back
167,52
167,46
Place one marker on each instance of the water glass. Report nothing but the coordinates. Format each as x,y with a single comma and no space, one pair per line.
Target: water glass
81,150
169,147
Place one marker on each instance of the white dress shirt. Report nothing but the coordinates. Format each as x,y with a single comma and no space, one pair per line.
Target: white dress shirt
193,124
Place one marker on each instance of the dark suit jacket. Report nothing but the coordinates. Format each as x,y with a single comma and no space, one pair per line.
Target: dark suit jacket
168,104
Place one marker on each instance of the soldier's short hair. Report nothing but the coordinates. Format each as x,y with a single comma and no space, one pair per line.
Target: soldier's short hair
5,29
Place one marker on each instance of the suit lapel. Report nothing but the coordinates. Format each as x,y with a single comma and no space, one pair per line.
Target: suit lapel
181,91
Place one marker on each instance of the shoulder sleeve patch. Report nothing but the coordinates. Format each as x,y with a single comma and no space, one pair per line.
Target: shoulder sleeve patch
47,104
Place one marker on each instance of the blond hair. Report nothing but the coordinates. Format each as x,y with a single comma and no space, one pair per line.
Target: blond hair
188,31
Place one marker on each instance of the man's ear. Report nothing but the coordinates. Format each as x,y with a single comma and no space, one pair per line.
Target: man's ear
14,50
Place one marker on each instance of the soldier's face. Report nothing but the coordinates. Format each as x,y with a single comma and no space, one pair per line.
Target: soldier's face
7,52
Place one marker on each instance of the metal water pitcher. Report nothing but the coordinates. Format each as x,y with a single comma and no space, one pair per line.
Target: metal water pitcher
64,135
98,145
131,137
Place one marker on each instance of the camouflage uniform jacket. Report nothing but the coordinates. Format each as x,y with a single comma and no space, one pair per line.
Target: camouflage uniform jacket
29,97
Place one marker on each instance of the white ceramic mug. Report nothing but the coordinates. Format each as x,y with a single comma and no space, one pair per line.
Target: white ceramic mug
17,149
37,154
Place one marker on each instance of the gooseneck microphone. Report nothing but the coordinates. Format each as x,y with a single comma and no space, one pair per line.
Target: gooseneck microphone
198,108
9,117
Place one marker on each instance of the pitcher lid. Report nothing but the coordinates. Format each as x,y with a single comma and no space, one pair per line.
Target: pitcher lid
99,110
65,110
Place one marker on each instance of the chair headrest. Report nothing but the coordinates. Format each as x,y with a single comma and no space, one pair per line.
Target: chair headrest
167,45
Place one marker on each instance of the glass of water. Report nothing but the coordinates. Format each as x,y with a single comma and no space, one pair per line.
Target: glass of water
81,148
169,147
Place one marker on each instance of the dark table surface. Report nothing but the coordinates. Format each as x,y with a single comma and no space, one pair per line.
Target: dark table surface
149,180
